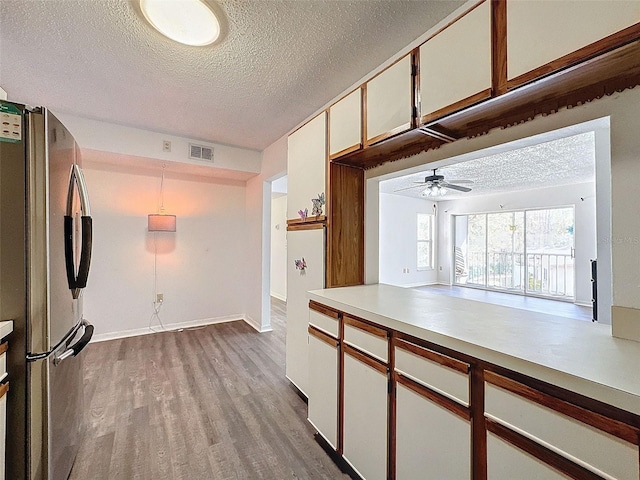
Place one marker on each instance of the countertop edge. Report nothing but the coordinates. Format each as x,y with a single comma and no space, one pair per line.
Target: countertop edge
606,393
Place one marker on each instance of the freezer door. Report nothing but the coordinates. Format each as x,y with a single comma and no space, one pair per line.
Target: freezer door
55,309
307,248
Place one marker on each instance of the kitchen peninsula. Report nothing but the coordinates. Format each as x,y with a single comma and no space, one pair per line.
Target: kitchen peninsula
448,386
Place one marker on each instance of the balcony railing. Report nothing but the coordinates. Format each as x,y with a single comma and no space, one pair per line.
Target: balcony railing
548,274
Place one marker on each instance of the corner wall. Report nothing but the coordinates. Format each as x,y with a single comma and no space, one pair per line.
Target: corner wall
200,268
398,250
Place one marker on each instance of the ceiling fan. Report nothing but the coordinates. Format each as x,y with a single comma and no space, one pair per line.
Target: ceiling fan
436,185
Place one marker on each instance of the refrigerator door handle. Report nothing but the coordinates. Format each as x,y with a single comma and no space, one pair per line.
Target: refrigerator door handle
77,347
78,281
32,357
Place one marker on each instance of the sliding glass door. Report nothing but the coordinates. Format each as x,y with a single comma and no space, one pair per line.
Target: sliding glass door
526,251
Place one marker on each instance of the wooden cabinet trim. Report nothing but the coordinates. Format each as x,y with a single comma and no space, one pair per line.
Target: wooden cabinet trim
341,391
613,427
365,358
308,220
478,427
4,347
435,397
305,226
4,388
323,336
540,452
459,105
365,326
324,310
611,42
498,47
386,135
346,151
439,358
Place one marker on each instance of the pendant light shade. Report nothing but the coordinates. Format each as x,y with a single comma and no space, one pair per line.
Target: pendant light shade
161,223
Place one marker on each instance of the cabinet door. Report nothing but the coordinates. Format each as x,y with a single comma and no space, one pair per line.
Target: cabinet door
389,101
307,244
506,461
306,165
345,124
323,387
365,419
455,65
540,32
431,441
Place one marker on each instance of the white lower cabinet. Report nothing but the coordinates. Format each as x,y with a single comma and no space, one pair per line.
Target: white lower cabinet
507,461
431,441
365,418
323,388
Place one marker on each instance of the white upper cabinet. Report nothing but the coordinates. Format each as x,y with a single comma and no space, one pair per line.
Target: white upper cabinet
345,124
306,165
539,32
389,101
456,63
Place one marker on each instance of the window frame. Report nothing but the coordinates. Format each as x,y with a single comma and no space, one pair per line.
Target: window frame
430,241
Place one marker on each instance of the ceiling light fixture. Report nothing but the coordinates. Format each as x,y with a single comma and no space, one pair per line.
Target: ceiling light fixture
434,191
191,22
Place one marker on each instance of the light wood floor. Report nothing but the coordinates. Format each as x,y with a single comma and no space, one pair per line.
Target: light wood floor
211,403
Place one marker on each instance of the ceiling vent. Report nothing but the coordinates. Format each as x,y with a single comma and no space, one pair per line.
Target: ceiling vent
200,152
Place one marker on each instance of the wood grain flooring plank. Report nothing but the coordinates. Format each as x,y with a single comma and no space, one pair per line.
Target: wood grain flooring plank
207,403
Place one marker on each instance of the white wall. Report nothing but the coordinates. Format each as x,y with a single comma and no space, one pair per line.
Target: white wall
258,253
201,269
279,247
108,138
398,229
584,233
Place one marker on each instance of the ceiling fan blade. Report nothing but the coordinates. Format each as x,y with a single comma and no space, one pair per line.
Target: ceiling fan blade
459,181
408,188
455,187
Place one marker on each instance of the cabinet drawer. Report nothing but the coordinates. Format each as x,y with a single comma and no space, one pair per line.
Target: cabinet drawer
365,337
578,441
4,388
324,322
439,372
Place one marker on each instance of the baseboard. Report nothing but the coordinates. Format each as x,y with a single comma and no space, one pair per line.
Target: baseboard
102,337
279,297
257,326
417,284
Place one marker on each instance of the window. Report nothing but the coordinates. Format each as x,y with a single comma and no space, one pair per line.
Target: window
425,241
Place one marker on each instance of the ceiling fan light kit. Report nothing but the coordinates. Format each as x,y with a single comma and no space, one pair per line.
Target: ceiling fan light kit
190,22
437,186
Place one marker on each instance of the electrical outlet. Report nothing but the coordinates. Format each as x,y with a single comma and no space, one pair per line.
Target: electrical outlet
440,268
166,146
159,297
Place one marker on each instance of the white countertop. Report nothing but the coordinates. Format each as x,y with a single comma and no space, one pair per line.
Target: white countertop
6,328
580,356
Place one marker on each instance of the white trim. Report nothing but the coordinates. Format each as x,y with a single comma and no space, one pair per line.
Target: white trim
417,284
257,326
172,327
279,297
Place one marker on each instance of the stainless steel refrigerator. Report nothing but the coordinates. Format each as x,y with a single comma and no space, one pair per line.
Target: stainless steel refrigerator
45,253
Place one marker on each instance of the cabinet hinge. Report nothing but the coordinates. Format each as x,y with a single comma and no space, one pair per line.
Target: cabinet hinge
390,387
414,69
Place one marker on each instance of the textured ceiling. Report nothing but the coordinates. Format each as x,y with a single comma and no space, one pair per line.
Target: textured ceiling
565,161
279,61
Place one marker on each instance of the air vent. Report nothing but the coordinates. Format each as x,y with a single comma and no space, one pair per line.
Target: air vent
200,152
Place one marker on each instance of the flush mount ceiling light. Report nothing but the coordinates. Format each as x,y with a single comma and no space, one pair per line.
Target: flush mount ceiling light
191,22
